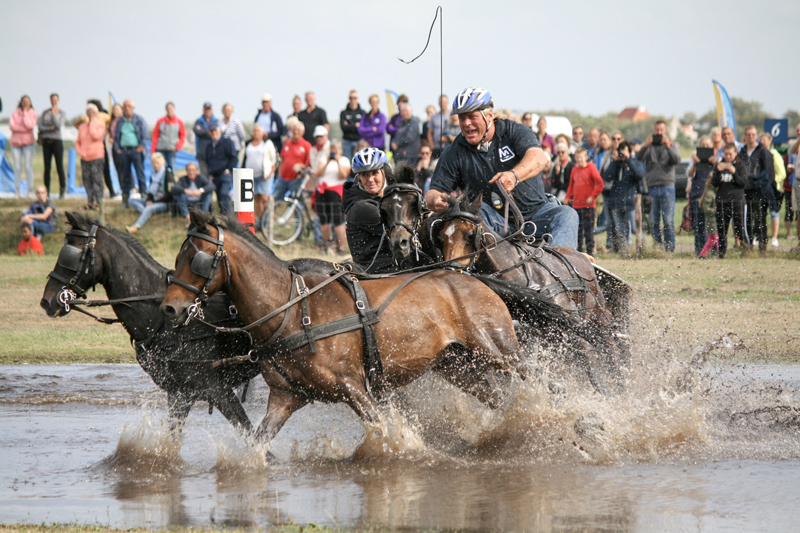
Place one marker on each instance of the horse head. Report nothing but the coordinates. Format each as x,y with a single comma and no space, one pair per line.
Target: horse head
403,211
197,274
77,268
457,232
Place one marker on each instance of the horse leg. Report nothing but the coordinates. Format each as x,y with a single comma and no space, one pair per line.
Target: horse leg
178,406
469,374
231,408
356,396
280,407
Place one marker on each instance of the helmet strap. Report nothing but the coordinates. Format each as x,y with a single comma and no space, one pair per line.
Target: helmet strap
483,139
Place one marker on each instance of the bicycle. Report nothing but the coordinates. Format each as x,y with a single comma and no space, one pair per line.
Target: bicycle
290,216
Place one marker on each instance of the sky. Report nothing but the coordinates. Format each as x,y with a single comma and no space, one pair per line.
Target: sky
592,56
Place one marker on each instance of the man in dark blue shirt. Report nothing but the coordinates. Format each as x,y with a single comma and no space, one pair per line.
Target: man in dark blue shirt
491,153
221,159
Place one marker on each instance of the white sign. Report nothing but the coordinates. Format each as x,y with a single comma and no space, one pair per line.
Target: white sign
243,190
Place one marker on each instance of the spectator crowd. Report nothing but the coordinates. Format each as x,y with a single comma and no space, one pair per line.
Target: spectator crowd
633,182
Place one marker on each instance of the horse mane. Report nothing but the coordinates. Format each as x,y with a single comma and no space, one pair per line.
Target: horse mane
462,204
400,173
228,223
83,223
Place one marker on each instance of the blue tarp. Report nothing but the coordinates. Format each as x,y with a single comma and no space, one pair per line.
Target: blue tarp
7,171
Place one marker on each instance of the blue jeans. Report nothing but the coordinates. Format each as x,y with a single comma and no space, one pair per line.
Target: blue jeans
348,148
186,202
560,221
146,210
663,197
40,227
283,187
20,153
224,184
169,157
125,158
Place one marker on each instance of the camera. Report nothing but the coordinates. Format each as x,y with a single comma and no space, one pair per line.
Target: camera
657,138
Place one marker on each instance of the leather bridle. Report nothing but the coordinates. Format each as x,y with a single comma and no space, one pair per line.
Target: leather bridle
77,260
414,230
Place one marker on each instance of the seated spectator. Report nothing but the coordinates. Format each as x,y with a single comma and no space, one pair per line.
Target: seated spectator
560,171
261,157
193,190
373,125
41,215
159,196
585,184
29,245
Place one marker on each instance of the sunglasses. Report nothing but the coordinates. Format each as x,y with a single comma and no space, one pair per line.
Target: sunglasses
354,98
616,138
561,152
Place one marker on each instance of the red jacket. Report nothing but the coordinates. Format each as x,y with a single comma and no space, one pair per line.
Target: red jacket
174,134
583,183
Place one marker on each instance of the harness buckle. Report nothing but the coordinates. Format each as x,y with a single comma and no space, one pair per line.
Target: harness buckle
360,305
65,295
306,321
232,310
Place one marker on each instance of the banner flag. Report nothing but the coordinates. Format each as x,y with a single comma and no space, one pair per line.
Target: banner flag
391,103
724,107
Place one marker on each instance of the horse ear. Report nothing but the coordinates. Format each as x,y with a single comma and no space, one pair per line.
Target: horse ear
197,218
408,175
71,219
476,205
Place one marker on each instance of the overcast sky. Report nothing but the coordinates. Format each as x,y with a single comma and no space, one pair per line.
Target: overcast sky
593,56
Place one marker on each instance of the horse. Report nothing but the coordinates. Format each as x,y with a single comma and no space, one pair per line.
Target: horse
329,343
180,361
567,277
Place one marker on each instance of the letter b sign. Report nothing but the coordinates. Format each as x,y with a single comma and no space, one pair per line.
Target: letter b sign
246,191
243,190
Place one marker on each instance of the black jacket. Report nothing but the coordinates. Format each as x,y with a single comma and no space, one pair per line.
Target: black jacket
559,177
364,230
760,168
730,186
201,181
221,156
349,119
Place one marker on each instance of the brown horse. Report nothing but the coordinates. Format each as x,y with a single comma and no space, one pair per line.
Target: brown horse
433,323
567,277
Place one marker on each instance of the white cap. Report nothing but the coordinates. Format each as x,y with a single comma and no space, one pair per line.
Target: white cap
320,130
266,97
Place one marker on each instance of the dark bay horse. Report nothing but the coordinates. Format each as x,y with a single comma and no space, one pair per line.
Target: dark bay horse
431,324
178,360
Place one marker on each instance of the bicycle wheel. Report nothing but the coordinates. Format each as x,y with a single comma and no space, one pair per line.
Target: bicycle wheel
288,219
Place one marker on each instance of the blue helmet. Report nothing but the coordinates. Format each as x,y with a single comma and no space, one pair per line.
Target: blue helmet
369,159
472,99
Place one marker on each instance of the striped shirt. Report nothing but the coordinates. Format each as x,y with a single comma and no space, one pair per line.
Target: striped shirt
234,131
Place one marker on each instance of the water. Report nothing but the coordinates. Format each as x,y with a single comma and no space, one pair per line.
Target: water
710,446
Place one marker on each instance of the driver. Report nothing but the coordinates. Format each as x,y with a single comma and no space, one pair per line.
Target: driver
491,153
361,199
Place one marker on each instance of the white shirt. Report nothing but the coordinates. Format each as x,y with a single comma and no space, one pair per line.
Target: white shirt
331,177
254,158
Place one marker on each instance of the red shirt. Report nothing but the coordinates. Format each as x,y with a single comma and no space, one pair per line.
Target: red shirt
583,183
291,154
31,246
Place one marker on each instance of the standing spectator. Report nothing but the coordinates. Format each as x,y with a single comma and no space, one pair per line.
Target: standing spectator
116,114
660,157
395,120
21,123
168,136
159,196
425,166
105,118
717,143
222,159
191,190
584,185
777,193
758,190
560,172
602,159
373,124
332,175
527,120
295,156
727,137
270,122
52,146
577,138
624,173
591,142
260,156
297,107
350,120
29,245
708,203
430,110
548,144
616,139
636,145
41,215
231,127
730,178
451,130
312,116
406,141
699,173
89,146
788,187
202,138
794,165
129,139
436,125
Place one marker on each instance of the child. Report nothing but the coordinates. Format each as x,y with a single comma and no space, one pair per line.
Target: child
29,244
730,178
585,184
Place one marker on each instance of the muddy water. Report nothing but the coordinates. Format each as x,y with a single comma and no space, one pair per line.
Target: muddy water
712,446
